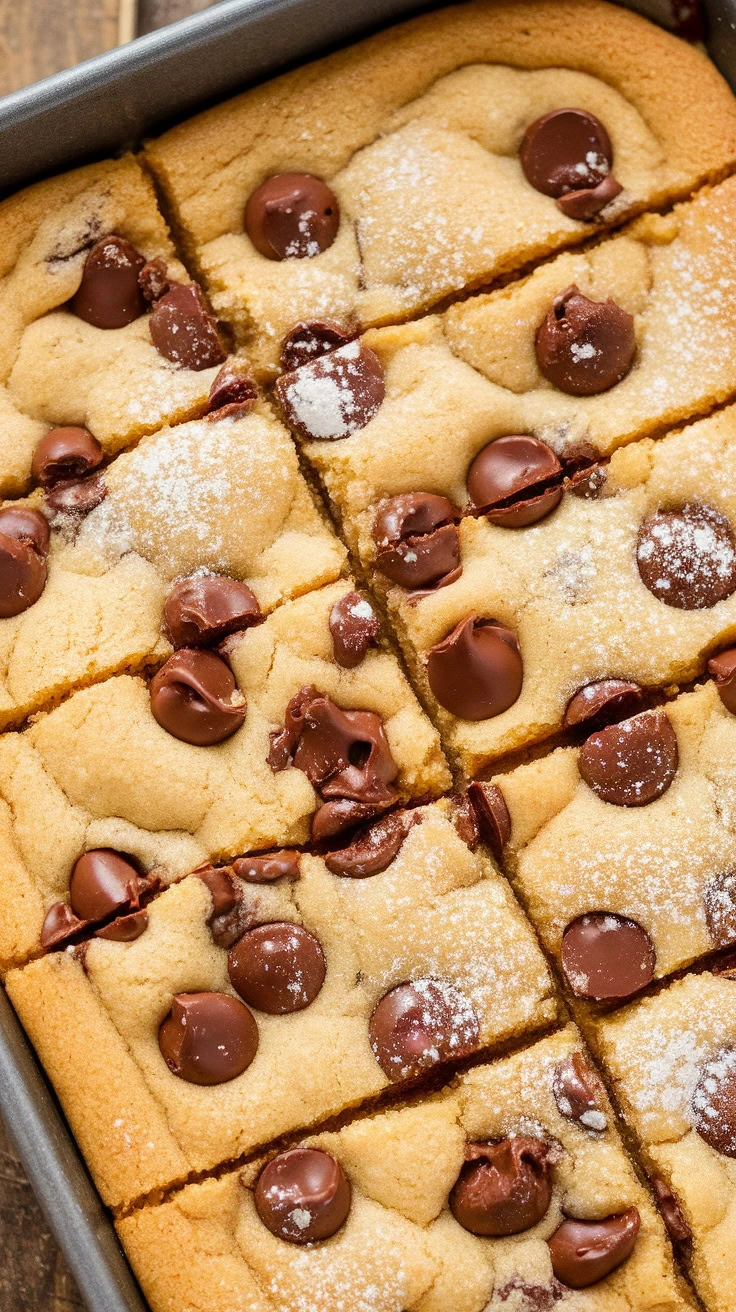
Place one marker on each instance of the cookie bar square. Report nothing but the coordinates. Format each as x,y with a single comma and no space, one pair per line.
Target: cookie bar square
623,850
105,773
372,184
671,1060
416,408
191,504
417,1216
638,584
354,983
77,334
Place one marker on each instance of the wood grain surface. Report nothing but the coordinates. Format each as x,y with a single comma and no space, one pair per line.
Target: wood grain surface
38,37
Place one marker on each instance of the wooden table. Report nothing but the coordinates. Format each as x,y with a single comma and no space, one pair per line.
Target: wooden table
38,37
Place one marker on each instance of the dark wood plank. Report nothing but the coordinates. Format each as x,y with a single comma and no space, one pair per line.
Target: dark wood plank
38,37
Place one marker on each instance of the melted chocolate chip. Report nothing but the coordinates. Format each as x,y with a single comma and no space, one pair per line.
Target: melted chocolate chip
354,627
335,396
267,869
60,925
65,453
335,817
205,608
714,1102
109,295
184,330
303,1196
687,557
515,481
77,496
584,347
277,968
417,539
633,763
493,815
373,849
233,391
719,902
104,881
565,151
584,1252
677,1227
503,1188
476,671
309,340
529,1298
599,704
292,216
124,929
465,819
194,697
723,669
221,888
24,544
578,1092
208,1038
606,957
418,1024
589,201
344,754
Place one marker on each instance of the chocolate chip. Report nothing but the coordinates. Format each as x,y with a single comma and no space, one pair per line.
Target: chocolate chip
476,671
65,453
109,295
194,697
267,869
529,1298
60,925
584,1252
335,817
24,544
208,1038
184,330
104,881
373,849
723,669
566,150
417,539
606,957
418,1024
310,339
493,815
344,754
233,391
354,627
578,1092
589,201
336,395
584,347
124,929
633,763
153,280
719,902
503,1188
596,705
677,1227
205,608
221,888
714,1102
465,819
277,968
687,557
292,216
303,1196
78,495
515,481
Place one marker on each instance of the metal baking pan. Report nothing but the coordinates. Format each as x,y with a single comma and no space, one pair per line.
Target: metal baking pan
97,109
